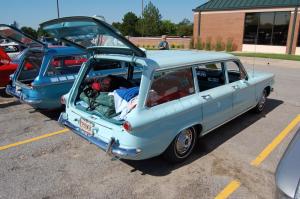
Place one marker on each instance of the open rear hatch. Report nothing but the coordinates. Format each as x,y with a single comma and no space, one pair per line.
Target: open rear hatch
30,67
16,35
97,94
91,34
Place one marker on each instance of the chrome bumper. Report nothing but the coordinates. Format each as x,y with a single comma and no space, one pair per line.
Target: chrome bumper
111,148
25,100
12,91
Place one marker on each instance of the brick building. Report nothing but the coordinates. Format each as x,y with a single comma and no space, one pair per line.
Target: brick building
250,25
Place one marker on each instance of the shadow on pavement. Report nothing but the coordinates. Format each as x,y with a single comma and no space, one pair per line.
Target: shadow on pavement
51,114
3,93
159,167
7,100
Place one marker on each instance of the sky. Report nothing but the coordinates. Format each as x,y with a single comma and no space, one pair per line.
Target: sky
33,12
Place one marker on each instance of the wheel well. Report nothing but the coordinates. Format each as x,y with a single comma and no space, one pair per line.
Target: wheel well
268,89
198,128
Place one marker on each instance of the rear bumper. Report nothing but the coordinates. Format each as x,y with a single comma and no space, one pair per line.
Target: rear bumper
10,90
112,148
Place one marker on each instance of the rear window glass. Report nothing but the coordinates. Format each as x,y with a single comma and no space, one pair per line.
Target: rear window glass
170,85
64,65
31,65
33,61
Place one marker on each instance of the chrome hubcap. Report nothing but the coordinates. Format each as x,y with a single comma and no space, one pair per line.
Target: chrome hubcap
184,141
262,101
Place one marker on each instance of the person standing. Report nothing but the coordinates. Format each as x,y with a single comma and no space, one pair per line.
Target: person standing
163,45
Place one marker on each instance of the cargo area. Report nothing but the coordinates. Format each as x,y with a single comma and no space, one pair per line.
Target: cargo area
30,67
111,96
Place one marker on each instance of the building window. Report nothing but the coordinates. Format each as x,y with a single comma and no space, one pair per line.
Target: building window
251,26
268,28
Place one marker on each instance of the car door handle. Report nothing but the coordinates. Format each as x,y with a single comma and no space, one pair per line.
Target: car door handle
206,97
236,87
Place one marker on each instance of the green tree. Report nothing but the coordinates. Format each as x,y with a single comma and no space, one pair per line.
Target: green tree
150,24
185,28
168,28
129,25
117,25
30,31
42,33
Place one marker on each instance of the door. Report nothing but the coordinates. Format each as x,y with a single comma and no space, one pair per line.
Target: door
91,34
215,95
244,90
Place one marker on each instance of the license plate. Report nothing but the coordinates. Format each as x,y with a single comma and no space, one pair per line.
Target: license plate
86,127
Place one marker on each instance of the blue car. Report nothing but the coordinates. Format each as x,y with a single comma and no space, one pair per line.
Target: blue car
179,97
44,73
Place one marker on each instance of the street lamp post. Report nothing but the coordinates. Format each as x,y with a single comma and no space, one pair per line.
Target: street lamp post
142,17
57,6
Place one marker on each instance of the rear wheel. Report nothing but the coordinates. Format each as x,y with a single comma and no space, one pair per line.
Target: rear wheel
182,145
262,102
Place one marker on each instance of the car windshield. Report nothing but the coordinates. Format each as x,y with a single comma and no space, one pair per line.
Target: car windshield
84,33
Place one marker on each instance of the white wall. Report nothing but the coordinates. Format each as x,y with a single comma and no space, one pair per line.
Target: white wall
297,51
264,49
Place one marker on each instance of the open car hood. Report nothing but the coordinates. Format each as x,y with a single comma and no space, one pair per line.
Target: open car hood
16,35
91,34
4,58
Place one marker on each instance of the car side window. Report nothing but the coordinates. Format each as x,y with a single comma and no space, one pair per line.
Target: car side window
170,85
64,65
235,72
210,75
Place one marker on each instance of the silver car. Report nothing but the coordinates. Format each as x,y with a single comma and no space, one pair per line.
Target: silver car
288,171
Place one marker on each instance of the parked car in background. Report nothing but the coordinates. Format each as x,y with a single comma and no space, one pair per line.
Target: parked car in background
288,171
7,67
11,48
43,74
180,96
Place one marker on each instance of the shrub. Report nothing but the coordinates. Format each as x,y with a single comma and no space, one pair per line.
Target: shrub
153,46
148,46
173,45
182,46
199,44
192,44
138,45
143,46
178,46
208,44
229,45
219,45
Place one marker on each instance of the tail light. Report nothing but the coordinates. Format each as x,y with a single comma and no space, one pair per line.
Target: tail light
127,126
62,100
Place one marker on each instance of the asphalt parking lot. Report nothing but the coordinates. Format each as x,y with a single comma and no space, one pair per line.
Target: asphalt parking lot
66,166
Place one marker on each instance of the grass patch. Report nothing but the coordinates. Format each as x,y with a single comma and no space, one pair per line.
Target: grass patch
269,55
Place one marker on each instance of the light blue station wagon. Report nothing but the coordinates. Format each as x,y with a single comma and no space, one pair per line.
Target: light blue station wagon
179,97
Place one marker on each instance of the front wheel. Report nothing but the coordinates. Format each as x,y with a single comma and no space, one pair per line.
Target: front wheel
182,145
261,103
